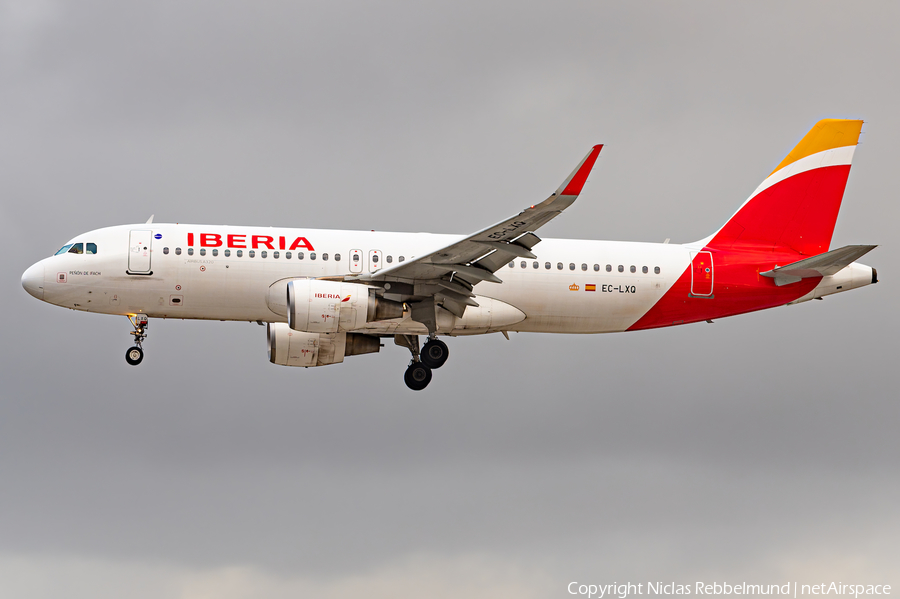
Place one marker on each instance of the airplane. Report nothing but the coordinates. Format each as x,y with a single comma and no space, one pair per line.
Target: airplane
325,295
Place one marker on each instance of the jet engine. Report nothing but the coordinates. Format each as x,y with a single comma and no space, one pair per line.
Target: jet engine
318,306
299,348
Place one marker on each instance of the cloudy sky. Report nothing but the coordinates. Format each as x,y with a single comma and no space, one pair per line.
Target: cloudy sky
762,448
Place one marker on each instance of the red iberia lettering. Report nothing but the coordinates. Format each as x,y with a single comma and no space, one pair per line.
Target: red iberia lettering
190,239
281,243
262,240
210,240
302,242
234,240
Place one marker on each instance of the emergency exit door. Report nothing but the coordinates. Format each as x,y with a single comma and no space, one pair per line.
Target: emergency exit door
702,274
374,260
139,252
356,261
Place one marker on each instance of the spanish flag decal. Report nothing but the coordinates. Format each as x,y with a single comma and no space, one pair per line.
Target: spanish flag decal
590,287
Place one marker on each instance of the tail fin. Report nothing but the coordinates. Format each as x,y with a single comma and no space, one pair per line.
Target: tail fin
796,207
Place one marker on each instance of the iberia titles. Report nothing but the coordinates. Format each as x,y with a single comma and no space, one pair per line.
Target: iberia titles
214,240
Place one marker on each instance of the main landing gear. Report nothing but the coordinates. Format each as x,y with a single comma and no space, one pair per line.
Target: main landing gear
135,354
433,355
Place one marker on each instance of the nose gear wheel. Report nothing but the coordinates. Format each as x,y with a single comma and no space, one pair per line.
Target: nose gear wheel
134,355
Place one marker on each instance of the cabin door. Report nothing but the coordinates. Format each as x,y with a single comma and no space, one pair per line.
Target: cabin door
702,274
139,252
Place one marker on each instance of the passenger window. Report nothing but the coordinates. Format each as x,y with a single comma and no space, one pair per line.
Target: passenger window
656,270
177,251
337,257
251,253
559,266
609,268
512,264
287,255
275,254
536,265
633,269
645,270
90,248
63,250
596,268
355,258
227,253
325,257
239,253
389,259
77,248
621,268
263,254
202,251
215,252
165,250
401,259
523,264
299,255
190,251
571,266
584,267
547,265
312,256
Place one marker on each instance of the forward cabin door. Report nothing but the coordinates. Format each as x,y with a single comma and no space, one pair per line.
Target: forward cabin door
139,244
702,274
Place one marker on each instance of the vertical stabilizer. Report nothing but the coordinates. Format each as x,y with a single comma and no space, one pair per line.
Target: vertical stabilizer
796,207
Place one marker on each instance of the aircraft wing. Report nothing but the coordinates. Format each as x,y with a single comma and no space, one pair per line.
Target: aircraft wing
821,265
448,274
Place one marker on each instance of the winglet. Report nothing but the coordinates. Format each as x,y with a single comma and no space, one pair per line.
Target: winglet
575,182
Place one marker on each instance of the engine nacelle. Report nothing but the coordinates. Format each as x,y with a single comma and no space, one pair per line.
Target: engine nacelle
316,306
300,348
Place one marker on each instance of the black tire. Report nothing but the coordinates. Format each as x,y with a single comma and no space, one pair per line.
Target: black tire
134,355
417,376
435,353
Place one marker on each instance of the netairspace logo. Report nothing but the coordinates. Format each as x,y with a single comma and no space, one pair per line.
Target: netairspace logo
791,589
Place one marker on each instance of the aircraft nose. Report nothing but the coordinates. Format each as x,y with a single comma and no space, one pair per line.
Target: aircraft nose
33,280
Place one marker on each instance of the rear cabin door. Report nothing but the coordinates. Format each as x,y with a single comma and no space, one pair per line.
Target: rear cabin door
702,274
139,252
356,261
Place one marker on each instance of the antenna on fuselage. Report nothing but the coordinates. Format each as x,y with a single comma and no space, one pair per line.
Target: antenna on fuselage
150,220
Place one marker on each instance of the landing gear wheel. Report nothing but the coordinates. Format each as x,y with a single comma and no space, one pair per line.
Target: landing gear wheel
417,376
134,355
435,353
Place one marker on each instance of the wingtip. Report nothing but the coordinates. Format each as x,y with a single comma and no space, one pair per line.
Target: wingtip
575,183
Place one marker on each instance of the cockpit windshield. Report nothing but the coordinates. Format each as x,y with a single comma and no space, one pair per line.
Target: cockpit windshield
77,248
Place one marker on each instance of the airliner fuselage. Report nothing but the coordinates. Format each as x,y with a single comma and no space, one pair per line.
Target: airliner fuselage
327,294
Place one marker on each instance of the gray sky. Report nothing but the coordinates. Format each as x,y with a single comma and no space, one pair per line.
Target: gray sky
762,448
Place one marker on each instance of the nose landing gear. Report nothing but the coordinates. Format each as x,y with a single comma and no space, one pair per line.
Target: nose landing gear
433,355
135,354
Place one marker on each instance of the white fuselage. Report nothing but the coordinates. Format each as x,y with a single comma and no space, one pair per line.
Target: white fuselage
178,276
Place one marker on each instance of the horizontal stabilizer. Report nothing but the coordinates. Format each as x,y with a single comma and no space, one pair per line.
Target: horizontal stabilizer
822,265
